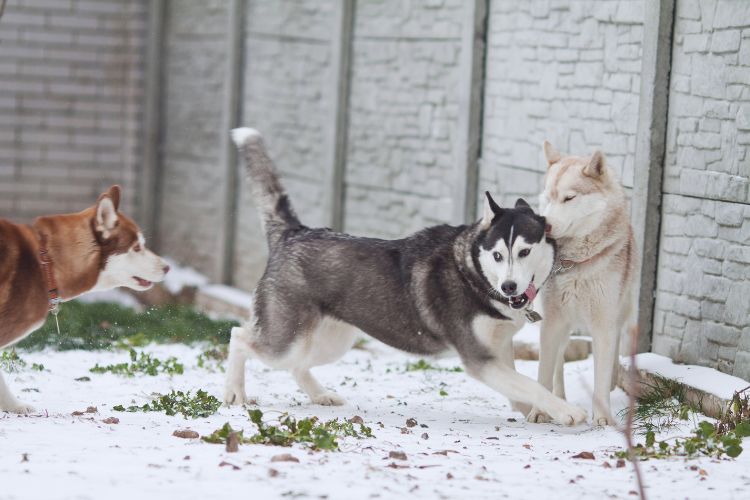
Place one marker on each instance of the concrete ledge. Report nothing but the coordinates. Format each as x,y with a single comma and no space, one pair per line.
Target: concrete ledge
708,389
578,349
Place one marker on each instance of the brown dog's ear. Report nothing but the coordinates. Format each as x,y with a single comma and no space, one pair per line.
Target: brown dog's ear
595,167
114,193
106,211
550,153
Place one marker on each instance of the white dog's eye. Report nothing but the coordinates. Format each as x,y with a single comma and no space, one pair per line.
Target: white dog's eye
568,198
524,253
497,256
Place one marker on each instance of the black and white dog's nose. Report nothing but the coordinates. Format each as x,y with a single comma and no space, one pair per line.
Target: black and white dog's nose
509,287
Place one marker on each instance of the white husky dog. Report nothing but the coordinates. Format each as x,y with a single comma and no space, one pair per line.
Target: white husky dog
593,290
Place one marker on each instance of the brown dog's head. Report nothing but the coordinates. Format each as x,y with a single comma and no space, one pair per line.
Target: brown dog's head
125,259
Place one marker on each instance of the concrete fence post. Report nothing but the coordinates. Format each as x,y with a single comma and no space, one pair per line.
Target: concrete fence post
149,185
335,159
649,154
471,87
231,113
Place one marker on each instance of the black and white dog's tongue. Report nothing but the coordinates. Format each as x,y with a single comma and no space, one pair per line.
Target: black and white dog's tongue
520,301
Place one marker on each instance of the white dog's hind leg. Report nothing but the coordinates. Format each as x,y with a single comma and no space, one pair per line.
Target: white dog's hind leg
552,341
503,348
558,381
239,351
9,403
605,351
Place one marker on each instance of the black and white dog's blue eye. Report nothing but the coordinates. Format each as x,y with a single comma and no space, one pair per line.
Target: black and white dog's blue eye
497,256
568,198
524,252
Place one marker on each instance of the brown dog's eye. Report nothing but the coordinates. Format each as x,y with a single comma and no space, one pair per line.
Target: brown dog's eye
568,198
137,248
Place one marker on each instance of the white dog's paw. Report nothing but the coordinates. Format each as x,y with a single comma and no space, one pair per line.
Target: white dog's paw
18,407
571,415
603,420
537,416
234,395
328,399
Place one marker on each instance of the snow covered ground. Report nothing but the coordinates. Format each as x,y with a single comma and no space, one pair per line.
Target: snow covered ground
468,444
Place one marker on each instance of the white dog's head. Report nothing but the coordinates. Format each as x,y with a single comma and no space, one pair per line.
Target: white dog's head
578,192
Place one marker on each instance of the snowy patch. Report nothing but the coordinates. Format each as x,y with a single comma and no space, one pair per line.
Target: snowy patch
702,378
228,294
468,442
180,277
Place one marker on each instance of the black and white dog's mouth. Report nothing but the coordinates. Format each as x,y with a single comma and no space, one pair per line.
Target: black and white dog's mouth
520,301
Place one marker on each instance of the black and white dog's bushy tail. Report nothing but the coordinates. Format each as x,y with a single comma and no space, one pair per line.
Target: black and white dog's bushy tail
276,212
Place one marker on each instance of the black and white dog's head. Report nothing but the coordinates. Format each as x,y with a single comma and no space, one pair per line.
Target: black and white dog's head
513,252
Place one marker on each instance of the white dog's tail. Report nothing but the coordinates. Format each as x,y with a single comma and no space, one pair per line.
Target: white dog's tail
277,214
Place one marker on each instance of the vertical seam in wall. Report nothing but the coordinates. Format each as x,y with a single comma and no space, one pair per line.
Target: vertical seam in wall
341,114
233,111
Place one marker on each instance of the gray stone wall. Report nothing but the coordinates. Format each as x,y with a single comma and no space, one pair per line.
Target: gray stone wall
403,114
70,103
194,72
703,284
564,71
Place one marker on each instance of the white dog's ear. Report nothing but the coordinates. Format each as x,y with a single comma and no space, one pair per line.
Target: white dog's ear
106,211
595,167
550,153
491,209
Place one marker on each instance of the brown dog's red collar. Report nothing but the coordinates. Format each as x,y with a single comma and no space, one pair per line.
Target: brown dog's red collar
53,296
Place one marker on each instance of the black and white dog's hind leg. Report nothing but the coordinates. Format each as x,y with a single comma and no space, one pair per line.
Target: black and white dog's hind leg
324,342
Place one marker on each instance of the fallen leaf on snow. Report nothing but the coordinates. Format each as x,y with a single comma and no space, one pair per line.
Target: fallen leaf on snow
111,420
284,457
227,464
398,455
186,434
425,435
411,422
620,463
356,419
586,455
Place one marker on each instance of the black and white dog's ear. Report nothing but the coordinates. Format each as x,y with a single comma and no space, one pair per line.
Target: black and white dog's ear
491,209
521,203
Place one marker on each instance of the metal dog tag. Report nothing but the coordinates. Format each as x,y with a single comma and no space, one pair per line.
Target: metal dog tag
532,316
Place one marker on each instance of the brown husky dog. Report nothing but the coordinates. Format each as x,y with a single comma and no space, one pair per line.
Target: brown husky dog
593,289
60,257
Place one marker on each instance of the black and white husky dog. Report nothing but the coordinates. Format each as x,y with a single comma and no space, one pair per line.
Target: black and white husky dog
466,288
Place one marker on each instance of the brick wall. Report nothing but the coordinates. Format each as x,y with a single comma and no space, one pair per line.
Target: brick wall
403,114
564,71
702,302
70,103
